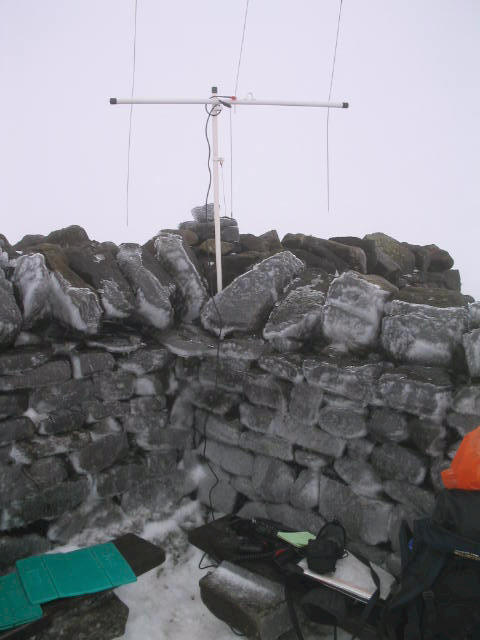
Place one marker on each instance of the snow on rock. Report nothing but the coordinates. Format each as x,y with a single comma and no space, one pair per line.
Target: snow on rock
32,281
342,423
353,310
152,298
77,308
467,400
297,316
474,315
245,303
10,316
423,391
471,342
360,476
100,269
343,377
423,334
172,256
394,462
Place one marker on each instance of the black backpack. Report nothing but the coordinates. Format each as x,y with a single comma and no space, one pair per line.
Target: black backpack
439,593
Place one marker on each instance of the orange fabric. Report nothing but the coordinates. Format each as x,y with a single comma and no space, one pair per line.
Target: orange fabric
464,472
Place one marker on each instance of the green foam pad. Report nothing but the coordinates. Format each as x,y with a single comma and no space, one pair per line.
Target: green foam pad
62,575
114,564
15,608
36,580
296,538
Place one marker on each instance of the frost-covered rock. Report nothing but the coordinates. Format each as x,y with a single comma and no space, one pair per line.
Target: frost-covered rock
305,403
232,459
423,391
471,342
392,461
474,315
343,377
342,423
228,374
256,418
100,269
304,493
353,310
46,374
419,499
172,256
266,445
218,428
428,437
272,479
297,316
266,391
309,437
285,366
466,400
363,518
15,429
360,476
423,334
245,303
32,280
152,298
10,316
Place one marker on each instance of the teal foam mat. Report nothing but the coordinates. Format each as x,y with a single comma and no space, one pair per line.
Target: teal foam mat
15,607
63,575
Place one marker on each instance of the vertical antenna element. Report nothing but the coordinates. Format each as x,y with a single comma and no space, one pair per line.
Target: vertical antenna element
131,108
329,98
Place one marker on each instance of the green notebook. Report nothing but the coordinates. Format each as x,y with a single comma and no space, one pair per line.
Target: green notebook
296,538
62,575
15,608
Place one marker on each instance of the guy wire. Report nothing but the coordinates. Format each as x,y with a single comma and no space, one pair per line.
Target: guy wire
131,107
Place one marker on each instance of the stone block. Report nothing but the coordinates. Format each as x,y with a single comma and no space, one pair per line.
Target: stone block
253,509
353,310
363,518
15,547
154,498
227,374
386,425
310,459
285,366
305,403
394,462
360,476
342,423
343,376
304,492
422,391
48,472
266,445
299,519
272,479
420,500
428,437
18,361
32,282
62,396
150,385
423,334
62,421
400,253
267,391
145,360
245,303
46,374
95,410
10,316
115,385
250,603
86,364
298,316
13,404
217,428
120,479
256,418
100,454
471,343
231,459
147,405
360,448
245,486
27,451
312,438
221,495
213,400
466,400
462,423
16,429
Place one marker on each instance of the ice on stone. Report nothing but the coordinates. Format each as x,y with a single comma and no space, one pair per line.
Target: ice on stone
10,316
419,390
471,342
353,310
298,315
77,308
244,304
152,297
474,315
343,377
31,278
360,476
423,334
172,256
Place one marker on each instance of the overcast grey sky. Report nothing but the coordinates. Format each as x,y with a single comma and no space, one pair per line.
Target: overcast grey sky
404,157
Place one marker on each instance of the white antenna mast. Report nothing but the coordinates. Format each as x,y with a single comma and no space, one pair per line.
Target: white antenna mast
218,102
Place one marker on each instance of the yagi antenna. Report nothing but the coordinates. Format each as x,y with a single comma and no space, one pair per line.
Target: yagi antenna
218,102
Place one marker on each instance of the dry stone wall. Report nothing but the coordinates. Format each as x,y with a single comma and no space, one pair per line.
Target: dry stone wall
329,379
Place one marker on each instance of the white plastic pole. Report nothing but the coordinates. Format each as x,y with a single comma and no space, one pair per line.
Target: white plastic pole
230,100
216,109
